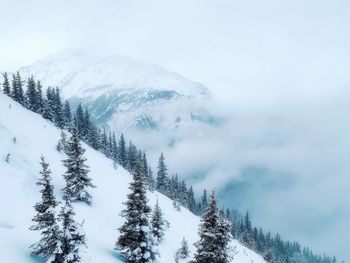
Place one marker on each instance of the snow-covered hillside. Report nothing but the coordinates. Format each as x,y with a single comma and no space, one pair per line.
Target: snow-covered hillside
18,193
122,92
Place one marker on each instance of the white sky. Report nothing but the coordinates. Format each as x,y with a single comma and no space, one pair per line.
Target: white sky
268,56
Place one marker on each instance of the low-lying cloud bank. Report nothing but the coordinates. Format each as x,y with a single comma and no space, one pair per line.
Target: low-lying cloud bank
289,166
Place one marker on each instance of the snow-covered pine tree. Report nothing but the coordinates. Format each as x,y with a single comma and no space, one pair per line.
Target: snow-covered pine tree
31,95
73,237
62,143
49,246
162,176
67,116
17,88
136,242
204,200
122,152
212,230
158,222
207,248
247,236
6,89
150,179
223,240
144,165
183,252
114,148
76,176
39,97
269,257
47,112
80,122
57,109
132,157
191,201
94,138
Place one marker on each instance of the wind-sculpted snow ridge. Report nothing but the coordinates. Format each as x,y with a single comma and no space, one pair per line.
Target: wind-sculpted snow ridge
24,136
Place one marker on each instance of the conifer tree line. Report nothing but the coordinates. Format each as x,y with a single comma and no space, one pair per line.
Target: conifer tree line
271,247
50,105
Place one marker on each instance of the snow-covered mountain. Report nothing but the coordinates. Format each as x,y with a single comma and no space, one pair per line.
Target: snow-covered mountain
124,93
35,136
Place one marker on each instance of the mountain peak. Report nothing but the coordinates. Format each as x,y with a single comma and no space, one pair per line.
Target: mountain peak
81,74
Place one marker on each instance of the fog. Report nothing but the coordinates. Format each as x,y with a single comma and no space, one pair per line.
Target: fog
279,76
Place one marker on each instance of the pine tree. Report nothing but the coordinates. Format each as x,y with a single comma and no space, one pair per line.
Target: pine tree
93,138
31,95
150,179
162,176
183,251
114,148
76,176
67,116
47,111
39,98
122,152
214,237
204,200
247,237
132,157
73,238
80,122
17,88
269,257
191,201
57,109
158,223
6,89
49,246
223,240
136,242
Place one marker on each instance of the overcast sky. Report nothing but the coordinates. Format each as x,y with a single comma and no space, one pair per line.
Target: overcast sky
260,59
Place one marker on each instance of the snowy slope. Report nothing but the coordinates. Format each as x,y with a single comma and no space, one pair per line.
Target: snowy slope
121,92
18,193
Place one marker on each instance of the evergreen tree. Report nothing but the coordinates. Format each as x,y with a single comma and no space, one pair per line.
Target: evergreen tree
247,232
162,176
67,116
93,138
191,201
48,112
39,98
6,89
133,157
158,223
223,240
17,88
80,122
73,238
204,200
268,257
122,152
150,179
183,251
49,246
57,109
31,95
136,242
114,148
214,237
76,176
144,165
